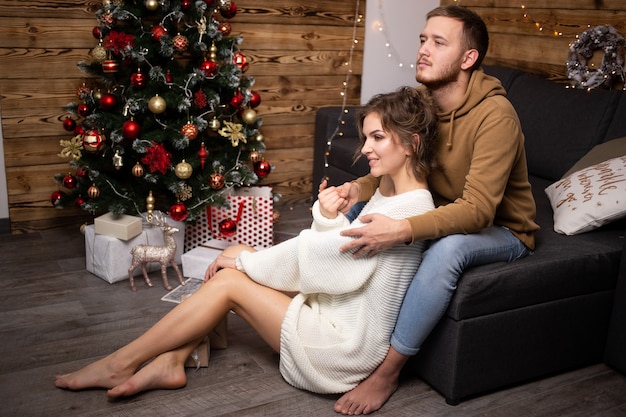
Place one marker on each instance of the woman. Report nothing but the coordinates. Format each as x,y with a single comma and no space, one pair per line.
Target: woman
335,330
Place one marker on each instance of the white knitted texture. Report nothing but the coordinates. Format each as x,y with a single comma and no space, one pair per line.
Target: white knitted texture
337,329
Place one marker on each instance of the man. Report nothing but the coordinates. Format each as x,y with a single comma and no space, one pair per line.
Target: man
485,210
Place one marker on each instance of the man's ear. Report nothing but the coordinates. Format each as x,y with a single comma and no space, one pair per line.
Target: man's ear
469,59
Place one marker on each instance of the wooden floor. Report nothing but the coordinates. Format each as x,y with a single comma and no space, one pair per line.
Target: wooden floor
56,317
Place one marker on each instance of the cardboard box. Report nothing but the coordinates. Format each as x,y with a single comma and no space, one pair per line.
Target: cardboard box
199,358
122,226
109,258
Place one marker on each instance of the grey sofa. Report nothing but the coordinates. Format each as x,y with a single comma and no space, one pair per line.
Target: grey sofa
513,322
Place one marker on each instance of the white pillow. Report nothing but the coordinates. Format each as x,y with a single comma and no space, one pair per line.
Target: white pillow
589,198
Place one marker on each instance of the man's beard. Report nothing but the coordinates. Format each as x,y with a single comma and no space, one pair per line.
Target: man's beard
445,77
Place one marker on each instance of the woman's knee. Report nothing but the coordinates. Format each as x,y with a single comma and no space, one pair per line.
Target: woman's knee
234,250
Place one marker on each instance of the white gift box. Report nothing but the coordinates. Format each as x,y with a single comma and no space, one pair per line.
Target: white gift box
121,226
109,258
197,260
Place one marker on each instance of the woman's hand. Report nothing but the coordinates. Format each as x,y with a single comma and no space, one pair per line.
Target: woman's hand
330,199
220,262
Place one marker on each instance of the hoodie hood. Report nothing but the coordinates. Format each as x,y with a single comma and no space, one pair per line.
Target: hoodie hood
480,87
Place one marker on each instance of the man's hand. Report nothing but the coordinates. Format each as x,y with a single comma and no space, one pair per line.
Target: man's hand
379,234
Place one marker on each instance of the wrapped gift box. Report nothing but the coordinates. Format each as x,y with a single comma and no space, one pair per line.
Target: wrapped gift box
197,260
109,258
121,226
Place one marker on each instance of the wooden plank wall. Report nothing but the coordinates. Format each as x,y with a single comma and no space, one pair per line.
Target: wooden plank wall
297,50
539,42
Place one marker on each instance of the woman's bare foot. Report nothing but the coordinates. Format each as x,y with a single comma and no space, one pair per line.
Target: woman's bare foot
104,373
166,371
369,396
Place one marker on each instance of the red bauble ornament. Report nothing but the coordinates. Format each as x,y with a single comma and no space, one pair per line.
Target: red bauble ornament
230,11
209,68
107,102
97,33
69,124
241,61
217,181
225,28
82,172
202,154
56,197
83,109
180,42
185,4
158,31
69,181
190,130
83,91
110,66
255,100
131,129
178,212
237,100
93,141
262,168
228,227
138,79
79,201
79,130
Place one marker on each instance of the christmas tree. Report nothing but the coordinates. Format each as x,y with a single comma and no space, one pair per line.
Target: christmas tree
167,119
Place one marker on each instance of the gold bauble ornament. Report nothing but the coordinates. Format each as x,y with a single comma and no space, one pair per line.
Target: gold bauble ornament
157,104
259,137
99,54
137,170
183,170
93,191
152,5
249,116
214,124
97,94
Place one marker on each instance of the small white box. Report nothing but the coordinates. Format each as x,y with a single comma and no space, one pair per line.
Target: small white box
121,226
197,260
109,258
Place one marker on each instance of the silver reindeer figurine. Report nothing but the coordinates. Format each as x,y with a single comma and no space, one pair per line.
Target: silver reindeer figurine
142,254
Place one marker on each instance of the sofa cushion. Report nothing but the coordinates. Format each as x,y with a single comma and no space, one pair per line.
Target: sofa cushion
604,151
561,267
552,148
589,198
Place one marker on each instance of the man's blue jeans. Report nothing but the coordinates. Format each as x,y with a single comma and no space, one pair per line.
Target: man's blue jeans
434,283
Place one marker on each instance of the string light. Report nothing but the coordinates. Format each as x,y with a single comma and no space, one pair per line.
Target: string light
358,18
391,50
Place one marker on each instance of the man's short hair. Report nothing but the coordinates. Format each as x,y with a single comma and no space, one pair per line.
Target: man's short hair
475,34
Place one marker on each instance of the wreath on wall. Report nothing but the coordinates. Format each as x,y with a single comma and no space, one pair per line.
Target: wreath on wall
603,37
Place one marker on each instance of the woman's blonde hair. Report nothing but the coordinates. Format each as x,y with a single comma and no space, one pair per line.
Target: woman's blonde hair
404,113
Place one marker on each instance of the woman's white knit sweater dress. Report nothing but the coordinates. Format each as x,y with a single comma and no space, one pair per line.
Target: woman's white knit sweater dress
337,329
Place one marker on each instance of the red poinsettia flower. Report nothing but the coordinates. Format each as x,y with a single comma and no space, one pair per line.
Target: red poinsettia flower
118,41
157,158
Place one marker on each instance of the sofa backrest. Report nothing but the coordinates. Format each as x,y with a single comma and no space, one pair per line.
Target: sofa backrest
561,124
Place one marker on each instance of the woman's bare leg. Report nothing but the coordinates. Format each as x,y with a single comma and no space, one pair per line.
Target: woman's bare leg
263,308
